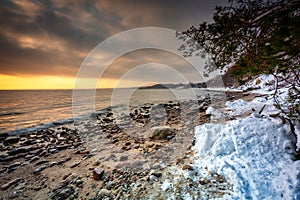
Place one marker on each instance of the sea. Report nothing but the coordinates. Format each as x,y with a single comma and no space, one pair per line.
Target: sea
29,110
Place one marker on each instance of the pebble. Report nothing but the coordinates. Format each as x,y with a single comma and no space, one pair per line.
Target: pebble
75,164
123,158
11,140
202,181
104,193
36,152
152,178
41,162
16,164
34,158
17,151
53,163
96,163
14,194
10,183
79,182
64,193
52,151
110,185
156,174
38,170
187,167
10,169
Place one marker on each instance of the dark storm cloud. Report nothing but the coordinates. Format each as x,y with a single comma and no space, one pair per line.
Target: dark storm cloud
53,37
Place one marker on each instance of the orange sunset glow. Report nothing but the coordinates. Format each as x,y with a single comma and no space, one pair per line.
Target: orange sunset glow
8,82
42,45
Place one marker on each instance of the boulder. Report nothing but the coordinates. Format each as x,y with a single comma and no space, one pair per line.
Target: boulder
162,133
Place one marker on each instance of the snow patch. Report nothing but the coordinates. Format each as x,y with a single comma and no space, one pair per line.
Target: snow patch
254,154
215,112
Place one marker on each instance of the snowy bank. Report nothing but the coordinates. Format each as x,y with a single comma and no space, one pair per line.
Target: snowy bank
254,154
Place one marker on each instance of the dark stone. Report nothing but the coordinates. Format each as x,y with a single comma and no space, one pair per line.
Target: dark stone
11,140
75,164
3,136
62,147
127,143
28,142
7,158
17,151
115,141
157,174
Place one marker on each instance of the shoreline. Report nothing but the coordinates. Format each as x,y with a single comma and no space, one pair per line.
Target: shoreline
62,153
228,92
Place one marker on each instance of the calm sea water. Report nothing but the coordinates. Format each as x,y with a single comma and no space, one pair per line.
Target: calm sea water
21,110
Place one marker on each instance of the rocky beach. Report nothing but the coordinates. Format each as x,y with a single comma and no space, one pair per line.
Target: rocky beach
112,157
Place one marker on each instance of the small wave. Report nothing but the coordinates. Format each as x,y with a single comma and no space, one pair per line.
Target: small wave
55,123
10,114
41,127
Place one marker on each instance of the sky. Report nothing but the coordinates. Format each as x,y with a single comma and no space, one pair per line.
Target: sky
44,43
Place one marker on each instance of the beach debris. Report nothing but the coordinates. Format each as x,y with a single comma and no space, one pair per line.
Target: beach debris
98,174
